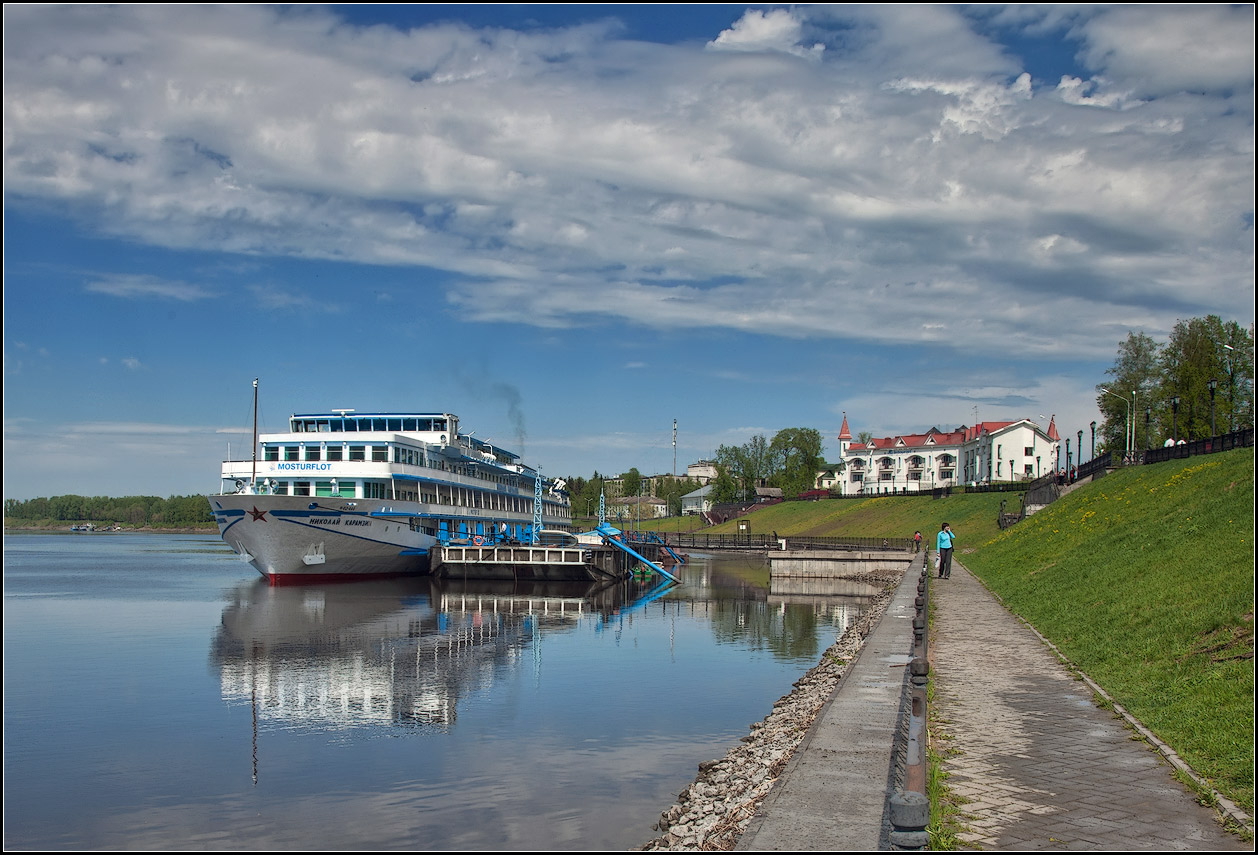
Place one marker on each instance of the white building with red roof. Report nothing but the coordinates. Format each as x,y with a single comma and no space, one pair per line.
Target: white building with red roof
984,453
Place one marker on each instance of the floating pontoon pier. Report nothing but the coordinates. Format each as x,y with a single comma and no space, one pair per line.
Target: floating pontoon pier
604,553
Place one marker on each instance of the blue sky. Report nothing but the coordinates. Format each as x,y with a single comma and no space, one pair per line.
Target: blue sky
571,225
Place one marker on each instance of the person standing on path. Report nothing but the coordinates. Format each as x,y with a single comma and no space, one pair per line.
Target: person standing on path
944,544
917,542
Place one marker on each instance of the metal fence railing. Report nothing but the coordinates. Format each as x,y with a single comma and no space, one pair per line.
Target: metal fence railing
703,541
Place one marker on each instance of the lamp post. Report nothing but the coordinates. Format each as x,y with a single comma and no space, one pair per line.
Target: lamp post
1148,413
1080,447
1174,414
1213,383
1231,388
1127,432
1068,478
1094,439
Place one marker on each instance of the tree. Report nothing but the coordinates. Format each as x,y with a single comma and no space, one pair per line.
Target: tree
631,483
1136,369
1193,357
1172,383
796,453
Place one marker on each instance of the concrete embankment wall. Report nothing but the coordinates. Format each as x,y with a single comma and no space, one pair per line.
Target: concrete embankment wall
836,563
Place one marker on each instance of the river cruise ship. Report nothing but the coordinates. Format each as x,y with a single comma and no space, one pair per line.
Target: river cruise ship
346,495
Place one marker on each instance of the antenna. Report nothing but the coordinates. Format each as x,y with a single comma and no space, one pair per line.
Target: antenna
674,448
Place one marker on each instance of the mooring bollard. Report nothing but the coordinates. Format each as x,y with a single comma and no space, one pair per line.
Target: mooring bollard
910,814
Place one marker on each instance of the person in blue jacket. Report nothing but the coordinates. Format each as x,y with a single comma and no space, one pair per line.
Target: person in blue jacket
944,544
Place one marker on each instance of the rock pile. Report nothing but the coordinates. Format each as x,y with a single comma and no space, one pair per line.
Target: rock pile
714,811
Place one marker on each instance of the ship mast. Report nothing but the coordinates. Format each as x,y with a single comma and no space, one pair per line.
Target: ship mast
253,479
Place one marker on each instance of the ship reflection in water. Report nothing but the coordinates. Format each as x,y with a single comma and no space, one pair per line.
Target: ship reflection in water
397,653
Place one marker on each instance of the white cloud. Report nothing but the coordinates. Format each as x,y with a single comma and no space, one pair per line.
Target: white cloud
907,186
140,286
774,30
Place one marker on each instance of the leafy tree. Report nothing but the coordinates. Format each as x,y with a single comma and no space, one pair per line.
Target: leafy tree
1193,357
631,482
1172,383
796,453
1136,369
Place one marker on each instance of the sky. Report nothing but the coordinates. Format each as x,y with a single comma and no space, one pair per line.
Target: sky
572,225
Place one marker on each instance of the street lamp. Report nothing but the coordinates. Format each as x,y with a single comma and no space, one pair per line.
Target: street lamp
1231,387
1069,479
1094,439
1127,433
1148,413
1213,383
1080,446
1174,413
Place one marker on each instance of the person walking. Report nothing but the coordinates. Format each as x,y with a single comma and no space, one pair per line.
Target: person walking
917,542
944,544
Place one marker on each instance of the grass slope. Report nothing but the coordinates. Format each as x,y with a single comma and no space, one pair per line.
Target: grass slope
1145,580
973,517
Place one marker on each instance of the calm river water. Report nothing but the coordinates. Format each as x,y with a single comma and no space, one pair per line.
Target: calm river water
158,694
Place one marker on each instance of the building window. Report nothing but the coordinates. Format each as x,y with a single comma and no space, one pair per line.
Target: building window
1029,451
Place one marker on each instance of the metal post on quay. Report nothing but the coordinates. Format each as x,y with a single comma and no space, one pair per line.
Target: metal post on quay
910,807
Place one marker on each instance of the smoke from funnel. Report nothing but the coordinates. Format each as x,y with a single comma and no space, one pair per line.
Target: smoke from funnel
515,413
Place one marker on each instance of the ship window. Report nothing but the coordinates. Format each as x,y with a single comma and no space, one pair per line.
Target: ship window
345,489
379,424
364,424
335,451
271,452
358,452
380,453
279,488
290,452
408,424
323,488
301,488
336,425
323,426
312,452
395,424
373,490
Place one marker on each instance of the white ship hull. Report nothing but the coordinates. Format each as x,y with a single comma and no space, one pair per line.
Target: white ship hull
287,540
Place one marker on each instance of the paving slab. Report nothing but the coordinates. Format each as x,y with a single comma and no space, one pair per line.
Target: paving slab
1042,766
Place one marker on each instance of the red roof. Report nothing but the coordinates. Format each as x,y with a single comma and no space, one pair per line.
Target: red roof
844,432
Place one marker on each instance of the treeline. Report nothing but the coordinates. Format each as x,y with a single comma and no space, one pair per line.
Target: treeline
790,461
137,511
1197,384
584,492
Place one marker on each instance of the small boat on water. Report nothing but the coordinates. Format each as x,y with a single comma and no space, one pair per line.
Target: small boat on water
348,495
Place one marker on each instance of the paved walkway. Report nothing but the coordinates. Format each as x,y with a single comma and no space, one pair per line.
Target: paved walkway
1041,765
